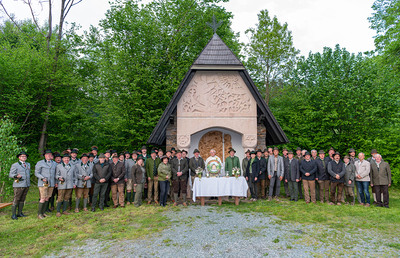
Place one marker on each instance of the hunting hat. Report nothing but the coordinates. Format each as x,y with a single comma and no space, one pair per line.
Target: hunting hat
160,150
259,150
346,157
102,156
114,156
290,152
253,152
321,152
139,158
144,147
284,149
57,154
127,152
184,151
108,151
232,149
66,155
332,149
196,151
336,153
22,153
121,154
153,151
298,148
248,151
48,151
94,148
85,155
164,157
374,151
265,150
178,151
307,153
74,151
276,148
91,155
352,150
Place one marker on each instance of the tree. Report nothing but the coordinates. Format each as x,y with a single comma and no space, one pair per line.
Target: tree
9,148
140,54
271,55
385,20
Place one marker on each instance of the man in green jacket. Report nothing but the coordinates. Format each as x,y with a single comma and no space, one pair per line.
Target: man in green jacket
231,162
152,177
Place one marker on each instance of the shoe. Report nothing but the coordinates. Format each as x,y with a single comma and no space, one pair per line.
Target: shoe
149,202
367,205
102,209
322,201
51,209
14,217
93,209
157,202
331,203
175,204
69,208
361,204
21,215
128,203
40,216
338,203
66,213
58,214
76,210
269,198
45,215
115,206
184,204
106,205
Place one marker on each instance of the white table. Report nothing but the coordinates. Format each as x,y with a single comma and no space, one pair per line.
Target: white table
219,186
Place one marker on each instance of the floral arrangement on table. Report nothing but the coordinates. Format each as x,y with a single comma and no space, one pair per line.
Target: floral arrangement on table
199,172
236,172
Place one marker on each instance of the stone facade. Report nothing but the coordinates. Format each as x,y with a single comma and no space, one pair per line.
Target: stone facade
171,132
261,136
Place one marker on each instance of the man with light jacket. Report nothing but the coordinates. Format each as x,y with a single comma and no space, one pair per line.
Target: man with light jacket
362,177
275,173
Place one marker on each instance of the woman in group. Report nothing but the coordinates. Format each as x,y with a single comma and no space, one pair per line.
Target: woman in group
164,174
138,179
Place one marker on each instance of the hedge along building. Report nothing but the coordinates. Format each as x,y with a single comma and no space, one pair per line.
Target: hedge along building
217,106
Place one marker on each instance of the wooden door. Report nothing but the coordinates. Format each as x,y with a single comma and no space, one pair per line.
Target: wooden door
213,140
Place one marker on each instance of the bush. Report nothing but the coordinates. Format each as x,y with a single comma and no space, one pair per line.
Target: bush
9,148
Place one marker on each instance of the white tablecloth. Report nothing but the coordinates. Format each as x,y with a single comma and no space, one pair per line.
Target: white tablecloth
219,186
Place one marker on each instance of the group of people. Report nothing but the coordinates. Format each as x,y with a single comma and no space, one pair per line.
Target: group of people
129,176
330,179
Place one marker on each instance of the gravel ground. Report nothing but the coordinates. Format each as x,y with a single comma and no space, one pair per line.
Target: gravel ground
217,232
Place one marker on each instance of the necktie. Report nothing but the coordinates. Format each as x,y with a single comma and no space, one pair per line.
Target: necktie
24,165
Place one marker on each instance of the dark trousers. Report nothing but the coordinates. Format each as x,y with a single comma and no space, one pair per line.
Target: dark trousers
164,189
300,187
275,182
294,190
339,186
286,185
182,183
261,188
382,189
20,194
53,197
107,193
253,188
99,189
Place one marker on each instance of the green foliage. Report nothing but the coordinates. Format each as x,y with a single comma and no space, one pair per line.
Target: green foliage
141,54
385,20
271,54
9,148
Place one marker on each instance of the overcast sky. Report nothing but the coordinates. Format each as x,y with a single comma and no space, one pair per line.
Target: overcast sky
314,23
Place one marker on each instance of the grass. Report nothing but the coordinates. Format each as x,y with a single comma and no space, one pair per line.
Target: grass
346,217
32,237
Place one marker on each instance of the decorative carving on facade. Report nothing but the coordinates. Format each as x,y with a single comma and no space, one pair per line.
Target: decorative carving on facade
219,92
249,141
183,140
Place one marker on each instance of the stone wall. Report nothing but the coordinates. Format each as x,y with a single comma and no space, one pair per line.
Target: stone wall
171,132
261,136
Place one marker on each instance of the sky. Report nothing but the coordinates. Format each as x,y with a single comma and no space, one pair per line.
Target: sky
314,23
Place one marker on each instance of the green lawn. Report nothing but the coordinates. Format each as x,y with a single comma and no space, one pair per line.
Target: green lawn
33,237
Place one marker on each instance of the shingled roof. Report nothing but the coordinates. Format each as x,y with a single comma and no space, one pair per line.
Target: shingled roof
217,52
217,56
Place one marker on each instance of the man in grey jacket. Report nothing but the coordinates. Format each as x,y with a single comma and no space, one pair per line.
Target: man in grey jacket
20,172
45,171
381,179
66,176
275,173
84,179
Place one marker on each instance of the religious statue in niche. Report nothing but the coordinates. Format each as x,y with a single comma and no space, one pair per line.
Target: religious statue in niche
219,92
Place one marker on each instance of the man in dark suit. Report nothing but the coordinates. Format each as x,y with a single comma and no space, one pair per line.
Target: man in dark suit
292,175
252,172
180,174
262,166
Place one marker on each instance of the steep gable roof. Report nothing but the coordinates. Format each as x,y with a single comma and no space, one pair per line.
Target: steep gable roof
216,52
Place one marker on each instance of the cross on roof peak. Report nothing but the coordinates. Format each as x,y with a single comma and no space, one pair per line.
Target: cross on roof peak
214,24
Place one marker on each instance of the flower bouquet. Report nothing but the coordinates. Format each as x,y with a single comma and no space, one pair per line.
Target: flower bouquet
236,172
199,172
